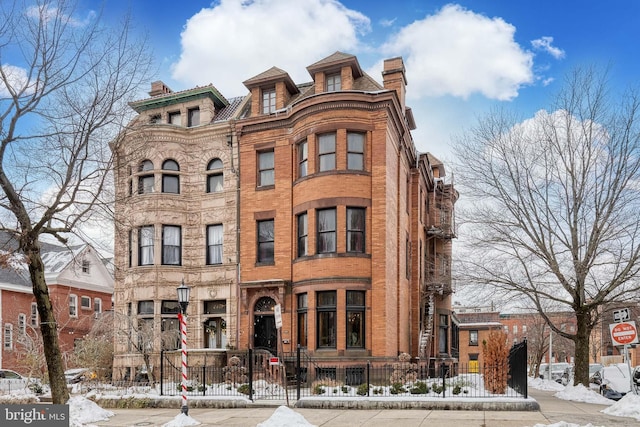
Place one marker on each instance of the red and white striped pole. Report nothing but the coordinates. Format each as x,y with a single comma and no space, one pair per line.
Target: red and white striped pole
183,339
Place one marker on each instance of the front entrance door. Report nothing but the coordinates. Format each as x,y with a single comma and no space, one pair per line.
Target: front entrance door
265,334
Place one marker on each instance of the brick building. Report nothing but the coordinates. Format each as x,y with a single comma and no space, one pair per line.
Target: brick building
80,288
324,208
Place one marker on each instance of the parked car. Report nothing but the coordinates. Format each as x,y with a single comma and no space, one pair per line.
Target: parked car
77,375
613,381
13,381
567,376
557,370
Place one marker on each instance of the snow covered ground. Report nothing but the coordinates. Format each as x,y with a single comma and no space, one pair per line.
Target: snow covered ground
84,412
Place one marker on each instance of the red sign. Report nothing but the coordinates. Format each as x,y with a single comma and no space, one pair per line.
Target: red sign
274,361
624,333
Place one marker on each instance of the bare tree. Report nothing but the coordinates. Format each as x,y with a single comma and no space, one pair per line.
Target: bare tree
554,204
95,350
63,98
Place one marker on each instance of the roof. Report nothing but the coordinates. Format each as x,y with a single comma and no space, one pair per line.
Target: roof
337,59
272,75
171,98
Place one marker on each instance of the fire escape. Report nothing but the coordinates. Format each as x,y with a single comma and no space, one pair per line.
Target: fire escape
439,230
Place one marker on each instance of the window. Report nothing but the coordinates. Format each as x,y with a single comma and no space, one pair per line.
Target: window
97,305
327,152
265,241
266,172
193,117
130,254
145,307
73,305
214,176
334,82
145,245
355,319
215,327
515,329
268,100
355,151
302,234
215,307
170,326
85,302
145,325
171,245
302,319
326,230
175,119
86,266
355,229
214,244
170,181
524,329
326,319
155,119
146,180
473,337
443,334
34,314
302,159
8,336
22,323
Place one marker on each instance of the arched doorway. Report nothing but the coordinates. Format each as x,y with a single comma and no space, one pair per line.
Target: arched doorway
265,334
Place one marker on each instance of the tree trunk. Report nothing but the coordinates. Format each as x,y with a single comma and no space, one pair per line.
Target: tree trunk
48,326
583,333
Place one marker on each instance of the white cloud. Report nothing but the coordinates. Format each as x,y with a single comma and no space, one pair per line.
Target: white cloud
14,78
458,52
238,39
545,44
387,22
49,13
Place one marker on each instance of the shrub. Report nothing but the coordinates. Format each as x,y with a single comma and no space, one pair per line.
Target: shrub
318,389
456,389
419,387
362,390
496,353
397,388
345,389
244,389
437,388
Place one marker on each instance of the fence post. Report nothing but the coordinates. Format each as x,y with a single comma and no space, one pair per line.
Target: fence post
204,379
442,370
250,374
368,379
161,371
298,371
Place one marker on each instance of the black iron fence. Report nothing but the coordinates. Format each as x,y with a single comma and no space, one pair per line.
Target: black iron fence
257,374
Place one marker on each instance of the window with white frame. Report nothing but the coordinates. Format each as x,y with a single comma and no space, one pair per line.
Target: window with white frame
22,323
303,158
145,245
334,82
146,180
73,305
34,314
266,168
268,100
86,266
85,302
355,151
8,336
97,305
215,177
327,152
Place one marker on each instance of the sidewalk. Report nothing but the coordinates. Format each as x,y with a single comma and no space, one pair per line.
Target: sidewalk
552,411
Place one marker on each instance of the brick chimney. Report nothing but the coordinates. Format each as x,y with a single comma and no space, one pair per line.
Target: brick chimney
159,88
394,78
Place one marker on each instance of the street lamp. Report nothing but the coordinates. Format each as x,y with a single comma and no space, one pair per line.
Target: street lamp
183,299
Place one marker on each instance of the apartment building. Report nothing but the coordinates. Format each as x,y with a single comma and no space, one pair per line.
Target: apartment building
323,210
80,288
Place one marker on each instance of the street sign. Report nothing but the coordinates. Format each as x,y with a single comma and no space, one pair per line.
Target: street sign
277,312
621,315
624,333
274,361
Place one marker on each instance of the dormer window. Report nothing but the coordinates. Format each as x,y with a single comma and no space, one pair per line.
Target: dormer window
193,117
334,82
268,100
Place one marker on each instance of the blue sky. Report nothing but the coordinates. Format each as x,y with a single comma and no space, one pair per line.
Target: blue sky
462,58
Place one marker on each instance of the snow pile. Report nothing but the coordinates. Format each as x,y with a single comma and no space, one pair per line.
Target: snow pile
545,385
285,417
628,406
580,393
84,411
182,420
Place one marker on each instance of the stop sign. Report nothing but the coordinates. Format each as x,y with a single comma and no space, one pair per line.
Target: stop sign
624,333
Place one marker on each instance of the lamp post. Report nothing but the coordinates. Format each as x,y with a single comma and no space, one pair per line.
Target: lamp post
183,299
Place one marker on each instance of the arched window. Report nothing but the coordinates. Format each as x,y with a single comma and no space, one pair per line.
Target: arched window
170,181
214,176
145,180
264,305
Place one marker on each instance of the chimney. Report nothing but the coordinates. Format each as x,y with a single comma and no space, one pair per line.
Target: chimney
394,78
159,88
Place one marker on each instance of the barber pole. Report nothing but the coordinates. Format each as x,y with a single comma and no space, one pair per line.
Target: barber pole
183,336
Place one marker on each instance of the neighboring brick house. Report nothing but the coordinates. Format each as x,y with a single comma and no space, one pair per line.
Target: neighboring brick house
311,196
80,288
475,328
